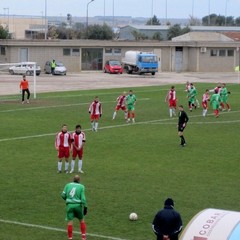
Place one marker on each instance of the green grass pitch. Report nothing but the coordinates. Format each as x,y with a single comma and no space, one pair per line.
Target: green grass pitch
128,167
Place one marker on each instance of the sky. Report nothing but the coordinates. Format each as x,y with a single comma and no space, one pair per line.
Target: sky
134,8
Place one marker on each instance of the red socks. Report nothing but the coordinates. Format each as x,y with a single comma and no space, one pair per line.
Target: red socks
83,229
70,231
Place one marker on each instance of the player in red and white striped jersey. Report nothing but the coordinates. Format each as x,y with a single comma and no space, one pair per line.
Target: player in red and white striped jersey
172,101
78,141
95,109
63,144
205,99
120,105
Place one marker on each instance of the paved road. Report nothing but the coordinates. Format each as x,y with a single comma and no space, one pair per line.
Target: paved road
9,84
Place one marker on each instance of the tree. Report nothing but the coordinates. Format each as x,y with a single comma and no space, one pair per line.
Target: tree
157,36
153,21
176,30
237,21
138,35
100,32
212,18
4,33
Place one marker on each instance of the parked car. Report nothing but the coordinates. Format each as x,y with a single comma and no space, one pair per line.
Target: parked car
60,69
113,66
26,68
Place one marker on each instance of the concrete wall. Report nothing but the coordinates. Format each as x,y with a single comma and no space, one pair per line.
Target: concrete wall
193,59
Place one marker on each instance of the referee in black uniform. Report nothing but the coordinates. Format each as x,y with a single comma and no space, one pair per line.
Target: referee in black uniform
182,122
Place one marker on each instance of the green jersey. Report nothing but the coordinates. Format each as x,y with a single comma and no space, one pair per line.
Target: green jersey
224,92
131,99
74,193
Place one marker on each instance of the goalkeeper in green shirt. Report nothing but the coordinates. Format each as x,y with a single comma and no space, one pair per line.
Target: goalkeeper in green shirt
131,101
76,205
224,97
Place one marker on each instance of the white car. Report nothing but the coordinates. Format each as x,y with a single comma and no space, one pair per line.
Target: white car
60,69
26,68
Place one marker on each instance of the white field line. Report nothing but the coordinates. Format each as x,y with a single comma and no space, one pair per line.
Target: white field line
157,121
55,229
60,106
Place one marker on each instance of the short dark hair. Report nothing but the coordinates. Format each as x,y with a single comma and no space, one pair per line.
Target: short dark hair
78,126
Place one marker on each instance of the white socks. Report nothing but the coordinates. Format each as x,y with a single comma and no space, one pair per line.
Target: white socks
59,166
114,115
204,112
79,165
170,112
66,166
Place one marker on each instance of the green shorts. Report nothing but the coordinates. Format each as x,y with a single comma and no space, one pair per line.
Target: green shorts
224,99
74,211
130,108
215,106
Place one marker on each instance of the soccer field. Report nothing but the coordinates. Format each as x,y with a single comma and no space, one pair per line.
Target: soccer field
128,167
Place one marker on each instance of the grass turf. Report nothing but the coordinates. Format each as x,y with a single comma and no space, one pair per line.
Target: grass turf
128,168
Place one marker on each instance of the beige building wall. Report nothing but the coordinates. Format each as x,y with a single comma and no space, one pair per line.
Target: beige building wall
17,26
208,63
41,51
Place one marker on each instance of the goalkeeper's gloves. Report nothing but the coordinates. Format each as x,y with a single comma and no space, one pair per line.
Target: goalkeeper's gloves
85,211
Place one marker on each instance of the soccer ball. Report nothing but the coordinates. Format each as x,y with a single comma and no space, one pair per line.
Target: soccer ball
133,217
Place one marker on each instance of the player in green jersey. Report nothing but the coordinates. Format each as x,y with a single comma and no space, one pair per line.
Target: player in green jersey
192,97
215,102
131,101
224,97
76,205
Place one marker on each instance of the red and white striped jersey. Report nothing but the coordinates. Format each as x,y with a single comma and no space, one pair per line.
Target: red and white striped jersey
121,100
95,108
205,97
79,139
63,139
171,95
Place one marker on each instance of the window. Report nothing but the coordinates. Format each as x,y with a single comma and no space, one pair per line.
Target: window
3,50
117,51
214,52
75,52
222,53
66,52
108,51
230,53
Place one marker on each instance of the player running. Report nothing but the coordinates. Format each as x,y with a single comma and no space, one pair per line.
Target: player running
120,105
224,97
78,141
172,101
95,109
215,102
205,100
192,98
63,144
131,102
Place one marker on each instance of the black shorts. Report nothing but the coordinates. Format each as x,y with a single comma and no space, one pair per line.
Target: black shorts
181,127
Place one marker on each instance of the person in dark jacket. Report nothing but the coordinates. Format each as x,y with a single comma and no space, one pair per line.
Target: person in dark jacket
167,224
182,123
